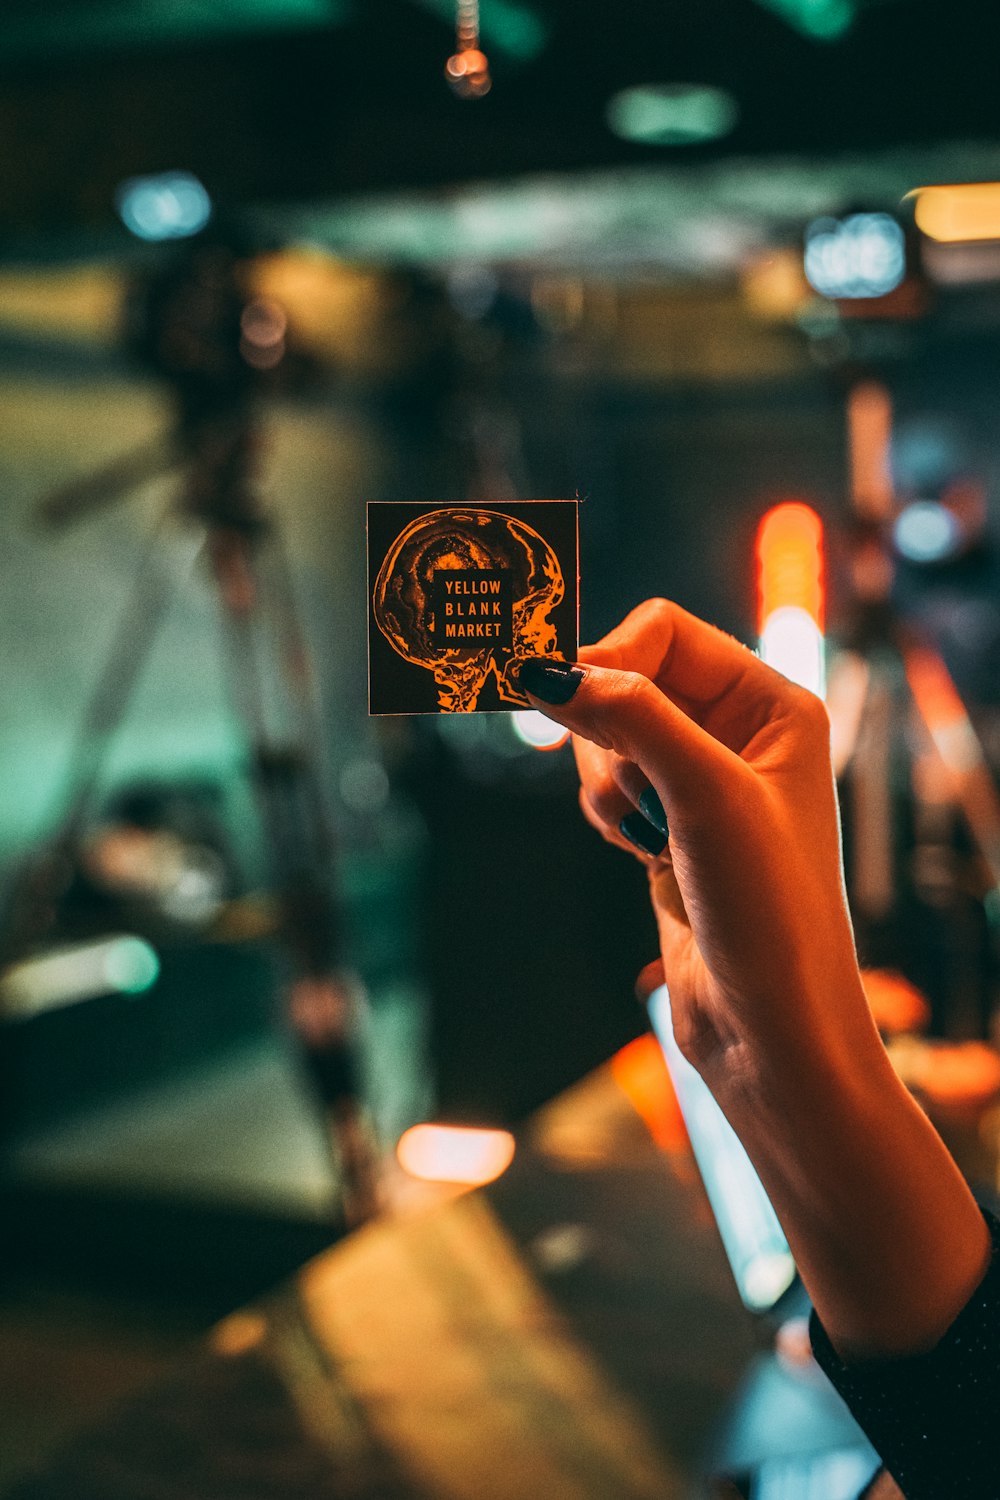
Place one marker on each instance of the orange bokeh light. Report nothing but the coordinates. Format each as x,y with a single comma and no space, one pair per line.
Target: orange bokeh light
455,1153
869,433
940,705
640,1071
959,212
790,562
960,1074
896,1004
468,73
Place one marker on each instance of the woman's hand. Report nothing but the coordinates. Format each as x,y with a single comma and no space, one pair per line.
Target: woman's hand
759,958
755,937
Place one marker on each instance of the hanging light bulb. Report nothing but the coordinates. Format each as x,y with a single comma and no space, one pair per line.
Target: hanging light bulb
468,69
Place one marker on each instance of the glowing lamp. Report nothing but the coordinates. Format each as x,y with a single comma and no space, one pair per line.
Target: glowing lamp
790,593
455,1153
468,73
960,212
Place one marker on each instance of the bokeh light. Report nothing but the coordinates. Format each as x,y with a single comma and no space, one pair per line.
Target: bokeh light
169,206
534,729
672,114
863,255
455,1153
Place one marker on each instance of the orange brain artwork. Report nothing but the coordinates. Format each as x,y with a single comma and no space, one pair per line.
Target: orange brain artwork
465,540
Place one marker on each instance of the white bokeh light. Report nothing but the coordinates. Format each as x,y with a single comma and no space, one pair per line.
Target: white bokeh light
534,729
863,255
926,532
792,643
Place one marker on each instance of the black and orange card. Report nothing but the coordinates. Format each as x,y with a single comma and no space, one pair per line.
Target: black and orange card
457,593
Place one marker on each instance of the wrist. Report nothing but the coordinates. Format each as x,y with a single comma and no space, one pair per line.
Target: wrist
886,1235
815,1041
816,1081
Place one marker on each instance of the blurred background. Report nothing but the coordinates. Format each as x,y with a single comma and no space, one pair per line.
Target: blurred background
261,262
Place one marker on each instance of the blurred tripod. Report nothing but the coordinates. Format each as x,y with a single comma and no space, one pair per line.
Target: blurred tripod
197,327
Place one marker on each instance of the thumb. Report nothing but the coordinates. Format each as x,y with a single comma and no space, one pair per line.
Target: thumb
626,713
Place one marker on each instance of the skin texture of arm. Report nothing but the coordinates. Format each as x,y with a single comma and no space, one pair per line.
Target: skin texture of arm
758,953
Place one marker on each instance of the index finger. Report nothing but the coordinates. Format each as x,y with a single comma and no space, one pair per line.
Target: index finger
693,662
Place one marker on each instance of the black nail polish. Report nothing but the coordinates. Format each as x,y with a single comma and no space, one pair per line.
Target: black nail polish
551,680
652,810
643,835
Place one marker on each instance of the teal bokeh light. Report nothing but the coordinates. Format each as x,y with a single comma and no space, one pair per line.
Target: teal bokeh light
824,20
672,114
130,966
169,206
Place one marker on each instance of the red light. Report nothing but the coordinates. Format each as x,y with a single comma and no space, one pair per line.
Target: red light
790,563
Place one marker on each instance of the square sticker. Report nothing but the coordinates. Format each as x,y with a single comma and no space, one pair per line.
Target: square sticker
456,593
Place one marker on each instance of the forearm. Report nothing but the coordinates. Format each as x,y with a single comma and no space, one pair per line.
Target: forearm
730,763
887,1237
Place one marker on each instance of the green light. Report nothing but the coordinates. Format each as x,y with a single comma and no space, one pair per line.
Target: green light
672,114
514,29
511,28
825,20
130,966
108,24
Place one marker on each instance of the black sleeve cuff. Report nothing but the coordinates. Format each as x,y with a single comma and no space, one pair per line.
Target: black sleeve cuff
934,1418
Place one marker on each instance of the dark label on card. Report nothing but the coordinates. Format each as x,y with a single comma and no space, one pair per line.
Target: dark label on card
457,594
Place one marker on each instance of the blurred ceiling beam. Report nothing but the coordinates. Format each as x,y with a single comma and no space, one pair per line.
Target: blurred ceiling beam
65,30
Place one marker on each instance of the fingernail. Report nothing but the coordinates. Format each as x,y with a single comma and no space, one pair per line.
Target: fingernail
652,810
551,680
642,834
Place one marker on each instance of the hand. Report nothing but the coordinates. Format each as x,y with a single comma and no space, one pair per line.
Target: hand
758,953
755,937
